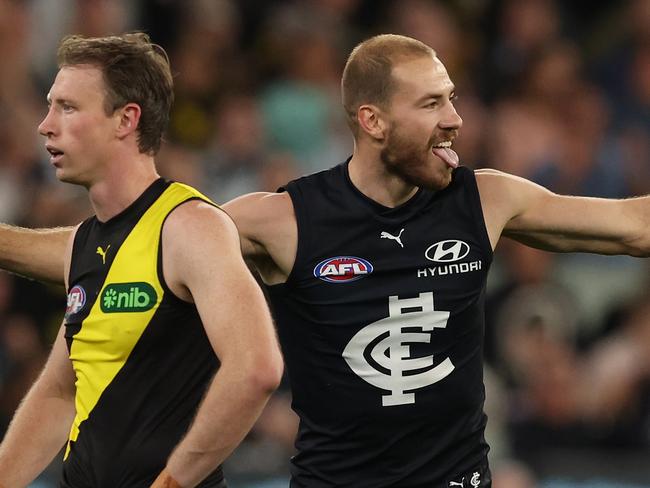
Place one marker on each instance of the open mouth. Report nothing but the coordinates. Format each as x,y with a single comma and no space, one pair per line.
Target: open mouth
444,151
55,154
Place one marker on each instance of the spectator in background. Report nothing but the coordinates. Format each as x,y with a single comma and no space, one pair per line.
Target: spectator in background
22,357
524,27
588,158
300,104
237,153
19,113
528,286
206,45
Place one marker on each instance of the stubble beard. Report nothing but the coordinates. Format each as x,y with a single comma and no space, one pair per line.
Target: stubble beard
410,162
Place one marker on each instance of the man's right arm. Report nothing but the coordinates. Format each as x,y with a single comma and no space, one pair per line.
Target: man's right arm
34,253
268,232
42,422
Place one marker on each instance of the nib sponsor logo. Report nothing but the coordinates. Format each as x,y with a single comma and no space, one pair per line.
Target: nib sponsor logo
128,297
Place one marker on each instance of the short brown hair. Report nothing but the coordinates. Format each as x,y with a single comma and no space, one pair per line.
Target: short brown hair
135,71
367,76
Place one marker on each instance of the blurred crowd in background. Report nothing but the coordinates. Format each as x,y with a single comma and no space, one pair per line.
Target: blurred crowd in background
554,91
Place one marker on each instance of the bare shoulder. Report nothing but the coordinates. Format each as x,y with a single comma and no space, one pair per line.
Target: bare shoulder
494,180
261,208
268,230
262,219
503,197
199,241
199,216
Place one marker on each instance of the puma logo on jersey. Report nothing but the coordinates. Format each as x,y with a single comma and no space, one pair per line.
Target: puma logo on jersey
397,238
456,483
102,253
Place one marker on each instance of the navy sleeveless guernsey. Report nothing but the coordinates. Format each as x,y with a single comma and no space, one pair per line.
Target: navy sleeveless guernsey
381,322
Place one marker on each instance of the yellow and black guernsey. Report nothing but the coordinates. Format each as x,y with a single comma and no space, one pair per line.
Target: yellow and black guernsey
141,356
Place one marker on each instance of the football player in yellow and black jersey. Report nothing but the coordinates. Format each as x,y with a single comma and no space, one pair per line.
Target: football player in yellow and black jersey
167,352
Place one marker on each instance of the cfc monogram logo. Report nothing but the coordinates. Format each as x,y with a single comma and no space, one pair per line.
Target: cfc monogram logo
476,480
387,344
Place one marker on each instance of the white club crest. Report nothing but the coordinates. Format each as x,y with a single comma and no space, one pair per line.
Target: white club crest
393,352
476,480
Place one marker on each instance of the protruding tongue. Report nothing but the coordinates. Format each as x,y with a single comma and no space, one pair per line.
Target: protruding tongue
449,156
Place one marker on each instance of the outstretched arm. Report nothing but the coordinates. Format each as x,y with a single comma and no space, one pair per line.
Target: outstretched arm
524,211
42,422
203,262
35,253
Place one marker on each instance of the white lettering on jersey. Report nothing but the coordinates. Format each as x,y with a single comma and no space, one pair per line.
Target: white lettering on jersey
450,269
342,269
393,352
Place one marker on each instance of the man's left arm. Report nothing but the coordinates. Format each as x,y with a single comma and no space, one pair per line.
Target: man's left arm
526,212
202,262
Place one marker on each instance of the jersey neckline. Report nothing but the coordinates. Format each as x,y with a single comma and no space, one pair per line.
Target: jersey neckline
403,210
153,191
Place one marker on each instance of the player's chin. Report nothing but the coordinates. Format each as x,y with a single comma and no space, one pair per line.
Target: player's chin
69,177
65,177
61,175
439,176
435,180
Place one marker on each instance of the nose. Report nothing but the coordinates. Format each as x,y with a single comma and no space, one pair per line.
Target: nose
46,127
451,119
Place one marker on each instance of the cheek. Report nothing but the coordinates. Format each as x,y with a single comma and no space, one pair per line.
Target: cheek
88,131
417,132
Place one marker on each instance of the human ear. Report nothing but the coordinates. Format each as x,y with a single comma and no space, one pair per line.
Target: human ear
371,121
128,119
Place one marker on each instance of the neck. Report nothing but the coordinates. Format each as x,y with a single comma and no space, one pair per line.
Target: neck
123,183
368,173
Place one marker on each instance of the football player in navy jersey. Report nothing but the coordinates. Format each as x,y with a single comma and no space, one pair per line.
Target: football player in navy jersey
376,271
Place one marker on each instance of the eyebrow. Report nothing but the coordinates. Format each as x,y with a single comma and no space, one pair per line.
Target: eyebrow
435,96
58,101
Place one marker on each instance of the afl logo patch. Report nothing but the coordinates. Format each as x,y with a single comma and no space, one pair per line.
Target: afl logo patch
342,269
76,300
447,251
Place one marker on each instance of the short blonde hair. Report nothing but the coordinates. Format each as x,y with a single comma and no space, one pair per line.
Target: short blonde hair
367,76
